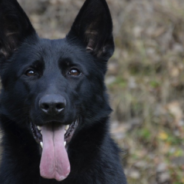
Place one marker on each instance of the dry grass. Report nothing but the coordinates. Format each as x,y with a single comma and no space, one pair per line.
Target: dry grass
147,90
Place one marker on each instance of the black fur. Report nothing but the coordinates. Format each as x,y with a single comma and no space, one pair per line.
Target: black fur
93,155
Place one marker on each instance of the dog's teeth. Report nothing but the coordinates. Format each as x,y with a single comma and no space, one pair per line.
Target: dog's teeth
64,143
41,144
39,128
67,127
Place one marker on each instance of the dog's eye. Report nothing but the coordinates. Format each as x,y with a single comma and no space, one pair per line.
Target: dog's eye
74,72
31,73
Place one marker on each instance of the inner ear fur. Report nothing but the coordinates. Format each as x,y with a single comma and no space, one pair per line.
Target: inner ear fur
93,27
15,27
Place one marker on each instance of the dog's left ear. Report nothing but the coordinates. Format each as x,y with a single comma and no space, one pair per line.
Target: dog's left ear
15,27
93,27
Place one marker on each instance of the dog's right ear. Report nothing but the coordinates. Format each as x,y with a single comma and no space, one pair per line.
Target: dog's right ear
15,27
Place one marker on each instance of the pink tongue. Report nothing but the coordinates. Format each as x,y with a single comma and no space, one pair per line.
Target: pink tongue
54,161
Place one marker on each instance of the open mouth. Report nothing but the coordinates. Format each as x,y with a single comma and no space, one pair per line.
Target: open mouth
53,140
69,131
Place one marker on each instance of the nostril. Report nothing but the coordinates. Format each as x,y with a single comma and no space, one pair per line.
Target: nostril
45,106
60,106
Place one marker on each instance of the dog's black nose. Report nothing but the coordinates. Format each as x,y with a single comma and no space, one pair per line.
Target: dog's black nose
52,104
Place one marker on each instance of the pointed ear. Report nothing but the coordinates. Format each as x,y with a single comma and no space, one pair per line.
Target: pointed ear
93,27
15,27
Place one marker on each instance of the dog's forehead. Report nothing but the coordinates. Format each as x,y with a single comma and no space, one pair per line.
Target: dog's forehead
60,50
53,55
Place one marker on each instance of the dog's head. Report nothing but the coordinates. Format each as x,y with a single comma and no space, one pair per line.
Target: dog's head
48,84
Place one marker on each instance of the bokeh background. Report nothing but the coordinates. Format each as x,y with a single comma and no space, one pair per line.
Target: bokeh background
145,80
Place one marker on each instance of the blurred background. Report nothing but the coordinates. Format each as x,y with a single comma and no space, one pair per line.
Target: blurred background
145,80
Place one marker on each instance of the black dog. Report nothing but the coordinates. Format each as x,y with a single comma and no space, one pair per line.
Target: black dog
49,84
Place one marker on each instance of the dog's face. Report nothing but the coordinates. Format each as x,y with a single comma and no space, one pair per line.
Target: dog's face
51,83
49,80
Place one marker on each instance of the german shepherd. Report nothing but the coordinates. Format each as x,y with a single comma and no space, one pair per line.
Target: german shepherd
54,109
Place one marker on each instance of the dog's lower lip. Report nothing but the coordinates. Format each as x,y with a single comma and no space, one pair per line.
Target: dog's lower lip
69,131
